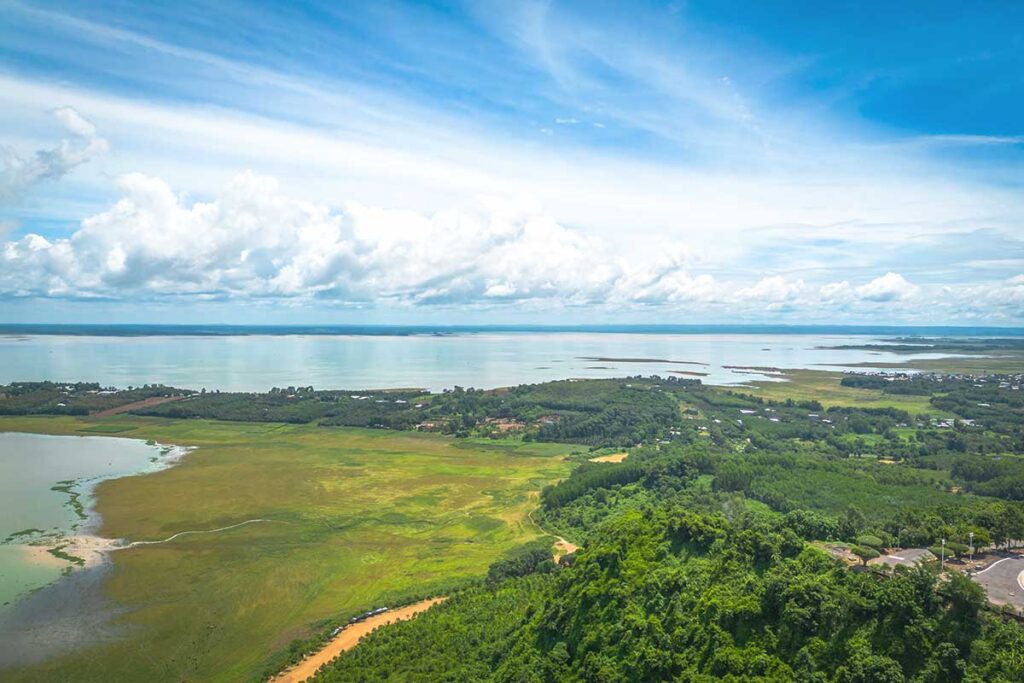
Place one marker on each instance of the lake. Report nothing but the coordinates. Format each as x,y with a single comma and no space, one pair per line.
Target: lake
40,476
257,362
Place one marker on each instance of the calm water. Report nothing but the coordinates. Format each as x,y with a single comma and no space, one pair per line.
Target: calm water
30,465
259,362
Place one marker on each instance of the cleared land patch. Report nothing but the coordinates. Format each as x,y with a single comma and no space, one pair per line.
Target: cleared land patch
373,518
614,457
144,403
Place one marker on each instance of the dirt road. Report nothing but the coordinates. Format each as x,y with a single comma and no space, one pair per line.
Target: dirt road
348,639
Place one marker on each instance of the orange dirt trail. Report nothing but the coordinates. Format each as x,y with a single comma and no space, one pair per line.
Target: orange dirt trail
348,639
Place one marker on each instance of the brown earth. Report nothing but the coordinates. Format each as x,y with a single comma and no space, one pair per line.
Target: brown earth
348,639
563,548
134,405
614,457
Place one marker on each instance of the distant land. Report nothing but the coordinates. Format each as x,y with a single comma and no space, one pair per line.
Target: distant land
144,330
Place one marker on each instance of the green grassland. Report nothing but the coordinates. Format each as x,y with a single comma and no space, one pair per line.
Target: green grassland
823,386
1003,361
360,518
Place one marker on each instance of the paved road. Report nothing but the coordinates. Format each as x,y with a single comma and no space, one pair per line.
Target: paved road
1003,581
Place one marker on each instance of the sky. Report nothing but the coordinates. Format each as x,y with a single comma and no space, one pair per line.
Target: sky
512,162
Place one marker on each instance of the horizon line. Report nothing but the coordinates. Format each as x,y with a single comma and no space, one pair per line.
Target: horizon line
391,329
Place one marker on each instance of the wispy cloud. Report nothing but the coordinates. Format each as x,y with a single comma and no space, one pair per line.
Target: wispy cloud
20,173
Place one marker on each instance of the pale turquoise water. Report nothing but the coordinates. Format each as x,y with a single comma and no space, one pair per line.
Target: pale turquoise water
485,360
30,465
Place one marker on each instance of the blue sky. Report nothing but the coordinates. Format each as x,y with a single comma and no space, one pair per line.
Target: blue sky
512,162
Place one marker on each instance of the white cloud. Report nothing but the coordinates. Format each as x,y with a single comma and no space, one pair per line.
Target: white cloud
885,288
20,173
774,289
1004,298
836,292
888,287
253,241
665,279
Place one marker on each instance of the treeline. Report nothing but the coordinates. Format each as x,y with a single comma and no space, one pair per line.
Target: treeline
1003,478
74,398
591,412
298,406
896,384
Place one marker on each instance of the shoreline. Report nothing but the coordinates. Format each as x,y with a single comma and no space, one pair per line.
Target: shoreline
80,546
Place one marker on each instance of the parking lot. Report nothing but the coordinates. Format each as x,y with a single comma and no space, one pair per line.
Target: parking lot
1002,581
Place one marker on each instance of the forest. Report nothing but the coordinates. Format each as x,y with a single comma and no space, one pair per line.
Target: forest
665,593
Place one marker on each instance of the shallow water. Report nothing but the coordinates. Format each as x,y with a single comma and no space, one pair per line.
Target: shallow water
484,360
57,619
31,465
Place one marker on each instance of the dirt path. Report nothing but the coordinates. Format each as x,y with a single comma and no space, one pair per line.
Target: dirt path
348,639
135,544
144,403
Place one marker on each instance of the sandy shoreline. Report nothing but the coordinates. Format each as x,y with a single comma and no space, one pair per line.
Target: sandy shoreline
348,638
78,547
90,549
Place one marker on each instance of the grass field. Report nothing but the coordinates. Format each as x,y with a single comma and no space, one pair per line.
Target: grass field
823,386
361,518
1001,362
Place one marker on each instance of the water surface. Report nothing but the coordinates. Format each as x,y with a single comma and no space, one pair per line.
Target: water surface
41,477
257,362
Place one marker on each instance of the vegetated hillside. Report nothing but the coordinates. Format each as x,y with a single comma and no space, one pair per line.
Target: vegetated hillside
704,558
673,595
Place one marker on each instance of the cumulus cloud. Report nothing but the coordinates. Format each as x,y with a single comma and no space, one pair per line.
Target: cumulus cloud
19,173
888,287
885,288
253,241
774,289
836,292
